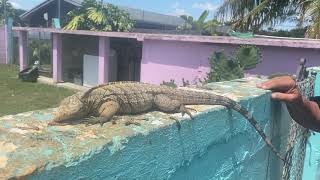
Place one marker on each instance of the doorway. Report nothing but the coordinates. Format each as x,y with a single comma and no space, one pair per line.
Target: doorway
129,55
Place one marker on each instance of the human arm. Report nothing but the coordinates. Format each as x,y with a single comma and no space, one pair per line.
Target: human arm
303,111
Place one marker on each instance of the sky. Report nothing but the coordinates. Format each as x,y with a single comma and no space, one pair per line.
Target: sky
172,7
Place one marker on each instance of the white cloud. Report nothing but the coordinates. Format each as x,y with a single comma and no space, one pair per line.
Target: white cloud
205,6
175,5
16,4
177,10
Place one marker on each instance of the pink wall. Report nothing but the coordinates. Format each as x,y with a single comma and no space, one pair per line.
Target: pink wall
165,60
3,47
285,59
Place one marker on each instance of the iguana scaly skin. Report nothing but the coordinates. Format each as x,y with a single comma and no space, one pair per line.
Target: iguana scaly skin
105,101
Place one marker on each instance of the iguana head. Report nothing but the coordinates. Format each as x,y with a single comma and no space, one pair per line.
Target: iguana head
70,109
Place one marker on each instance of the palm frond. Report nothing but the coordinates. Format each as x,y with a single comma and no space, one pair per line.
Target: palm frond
253,14
313,11
203,16
97,15
76,23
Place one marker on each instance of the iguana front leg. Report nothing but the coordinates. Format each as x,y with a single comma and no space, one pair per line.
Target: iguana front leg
106,112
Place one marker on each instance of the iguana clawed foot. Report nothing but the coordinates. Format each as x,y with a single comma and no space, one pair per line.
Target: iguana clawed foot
178,124
184,110
132,121
94,121
102,121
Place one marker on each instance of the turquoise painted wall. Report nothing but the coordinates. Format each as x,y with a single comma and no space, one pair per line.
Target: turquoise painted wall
217,144
312,161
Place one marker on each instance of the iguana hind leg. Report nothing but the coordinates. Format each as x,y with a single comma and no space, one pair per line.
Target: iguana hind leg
184,110
165,104
106,112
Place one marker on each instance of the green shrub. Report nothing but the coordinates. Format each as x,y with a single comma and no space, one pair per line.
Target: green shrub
171,83
97,16
224,68
39,50
248,56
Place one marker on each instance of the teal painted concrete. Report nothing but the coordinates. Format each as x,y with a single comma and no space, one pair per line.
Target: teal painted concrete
217,144
311,169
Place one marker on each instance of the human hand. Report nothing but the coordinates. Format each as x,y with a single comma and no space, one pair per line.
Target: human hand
284,89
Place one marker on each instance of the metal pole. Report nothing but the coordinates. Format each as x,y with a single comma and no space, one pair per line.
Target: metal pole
4,4
59,10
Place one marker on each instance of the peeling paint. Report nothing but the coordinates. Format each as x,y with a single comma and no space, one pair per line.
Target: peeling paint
9,117
67,155
86,135
43,117
47,152
18,131
61,128
140,130
117,144
6,126
156,122
7,147
3,161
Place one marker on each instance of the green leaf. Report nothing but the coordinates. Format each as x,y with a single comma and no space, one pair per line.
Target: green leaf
223,68
203,16
99,17
248,56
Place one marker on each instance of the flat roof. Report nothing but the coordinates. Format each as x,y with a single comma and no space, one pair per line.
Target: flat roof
260,41
139,15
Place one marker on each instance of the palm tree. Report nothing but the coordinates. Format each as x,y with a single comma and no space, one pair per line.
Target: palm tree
200,23
197,25
6,10
254,14
311,10
97,16
211,26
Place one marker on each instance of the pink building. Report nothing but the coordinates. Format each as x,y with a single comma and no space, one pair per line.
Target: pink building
155,58
3,45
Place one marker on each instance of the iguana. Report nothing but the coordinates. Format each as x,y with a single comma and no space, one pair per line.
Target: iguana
105,101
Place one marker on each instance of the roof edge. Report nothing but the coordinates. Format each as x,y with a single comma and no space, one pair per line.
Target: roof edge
292,43
44,3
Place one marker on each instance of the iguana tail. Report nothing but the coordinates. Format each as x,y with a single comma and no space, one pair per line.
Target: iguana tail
210,99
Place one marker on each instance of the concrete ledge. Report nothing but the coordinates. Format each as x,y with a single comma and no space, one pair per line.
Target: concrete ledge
72,86
260,41
217,144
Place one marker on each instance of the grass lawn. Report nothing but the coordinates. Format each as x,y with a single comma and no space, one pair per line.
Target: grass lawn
17,96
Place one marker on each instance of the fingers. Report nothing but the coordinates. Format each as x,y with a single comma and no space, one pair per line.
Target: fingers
286,97
278,84
284,89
